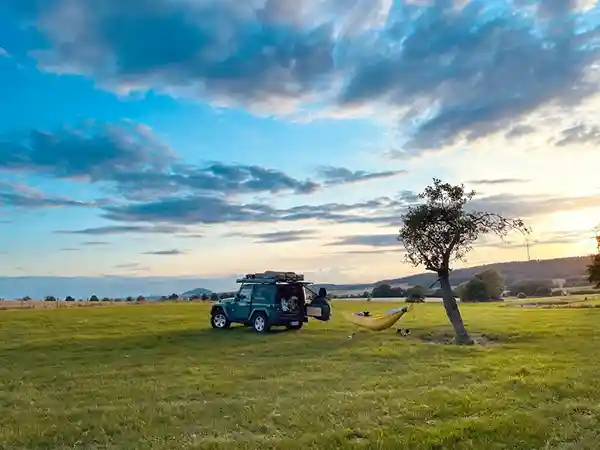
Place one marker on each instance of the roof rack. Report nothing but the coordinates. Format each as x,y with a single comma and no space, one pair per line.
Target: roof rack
272,277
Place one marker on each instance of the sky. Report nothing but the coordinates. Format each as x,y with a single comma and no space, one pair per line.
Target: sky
167,144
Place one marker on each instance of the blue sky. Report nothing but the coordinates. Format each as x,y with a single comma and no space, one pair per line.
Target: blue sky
190,141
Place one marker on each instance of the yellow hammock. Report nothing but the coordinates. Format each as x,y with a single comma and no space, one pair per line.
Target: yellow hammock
378,322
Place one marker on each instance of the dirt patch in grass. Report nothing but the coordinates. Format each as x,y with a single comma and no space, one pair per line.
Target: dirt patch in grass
445,335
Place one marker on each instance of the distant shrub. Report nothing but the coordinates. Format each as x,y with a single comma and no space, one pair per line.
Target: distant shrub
94,298
474,291
68,298
521,295
586,292
50,298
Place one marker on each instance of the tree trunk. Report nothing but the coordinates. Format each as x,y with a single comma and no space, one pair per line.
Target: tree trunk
452,311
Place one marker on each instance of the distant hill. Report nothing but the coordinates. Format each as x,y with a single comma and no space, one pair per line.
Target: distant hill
572,269
197,291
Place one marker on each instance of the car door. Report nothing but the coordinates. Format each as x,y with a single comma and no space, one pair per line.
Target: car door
240,308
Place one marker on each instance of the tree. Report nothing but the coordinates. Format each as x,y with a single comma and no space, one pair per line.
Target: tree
129,298
204,296
68,298
173,297
382,291
94,298
214,297
594,270
415,293
494,283
475,290
442,230
141,299
50,298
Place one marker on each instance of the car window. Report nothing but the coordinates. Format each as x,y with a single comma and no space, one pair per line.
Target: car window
263,293
291,290
245,293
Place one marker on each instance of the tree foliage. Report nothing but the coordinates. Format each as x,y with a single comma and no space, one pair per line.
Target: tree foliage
594,270
474,290
386,291
494,283
443,230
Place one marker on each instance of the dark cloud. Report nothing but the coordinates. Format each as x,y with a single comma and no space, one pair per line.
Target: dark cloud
213,210
135,163
21,196
95,243
123,229
278,237
579,134
166,252
383,211
127,266
451,71
97,152
498,181
461,72
341,175
519,130
373,240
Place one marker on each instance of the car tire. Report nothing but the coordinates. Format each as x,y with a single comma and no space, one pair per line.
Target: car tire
219,321
260,323
289,326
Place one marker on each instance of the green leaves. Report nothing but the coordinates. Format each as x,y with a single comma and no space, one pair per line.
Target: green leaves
442,229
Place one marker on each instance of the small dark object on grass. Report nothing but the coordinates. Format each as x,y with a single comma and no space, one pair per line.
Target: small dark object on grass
403,332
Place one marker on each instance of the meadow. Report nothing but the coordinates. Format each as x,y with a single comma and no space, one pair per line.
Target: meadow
156,377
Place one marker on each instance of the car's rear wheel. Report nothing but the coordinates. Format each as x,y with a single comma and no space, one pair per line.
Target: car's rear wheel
260,323
219,320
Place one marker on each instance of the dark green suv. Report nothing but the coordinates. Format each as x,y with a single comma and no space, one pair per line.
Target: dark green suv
270,299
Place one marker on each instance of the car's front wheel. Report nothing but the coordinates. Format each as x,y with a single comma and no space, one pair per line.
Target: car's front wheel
260,323
219,321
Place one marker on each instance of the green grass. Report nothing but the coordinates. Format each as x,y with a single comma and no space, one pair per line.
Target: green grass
156,377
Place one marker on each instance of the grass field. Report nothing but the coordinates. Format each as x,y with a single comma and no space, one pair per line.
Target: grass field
156,377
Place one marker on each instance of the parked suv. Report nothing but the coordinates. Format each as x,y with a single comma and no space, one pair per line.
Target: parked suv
270,299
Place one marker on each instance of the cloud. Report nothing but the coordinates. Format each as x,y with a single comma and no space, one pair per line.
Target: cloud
166,252
4,53
194,210
123,229
372,240
341,175
579,134
445,70
22,196
95,243
519,130
498,181
129,161
527,206
278,237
